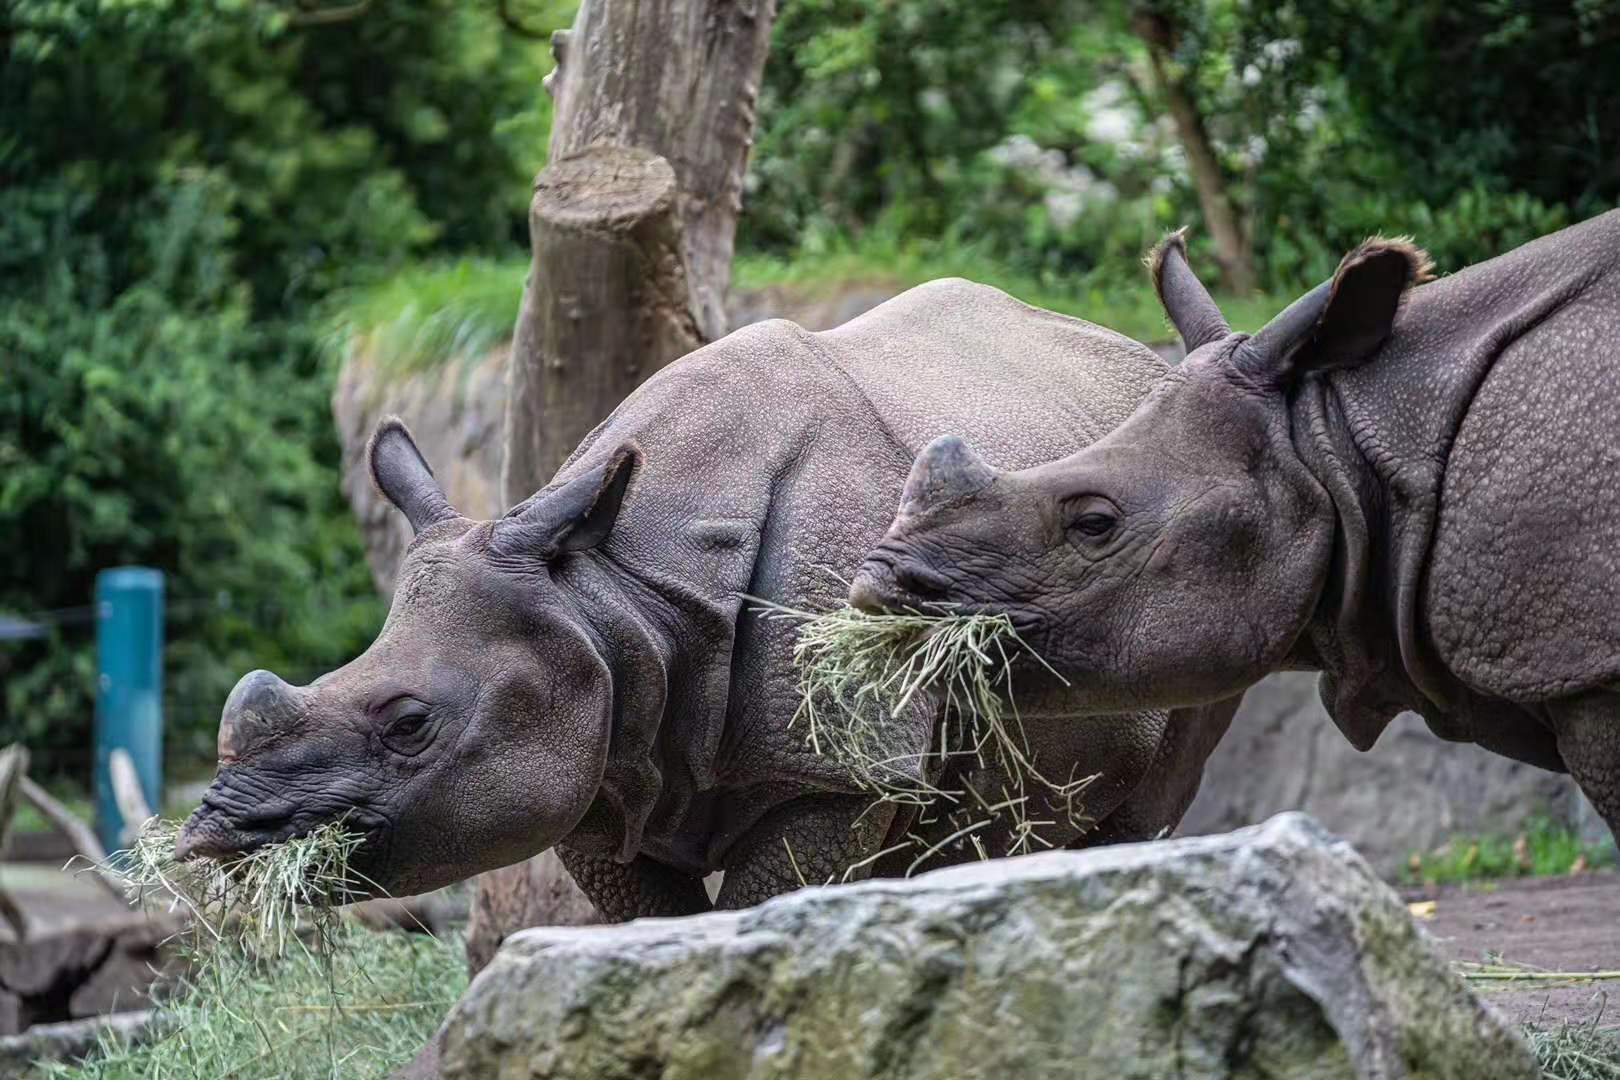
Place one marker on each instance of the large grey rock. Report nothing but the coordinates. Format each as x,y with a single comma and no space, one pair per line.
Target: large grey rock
1269,952
1408,793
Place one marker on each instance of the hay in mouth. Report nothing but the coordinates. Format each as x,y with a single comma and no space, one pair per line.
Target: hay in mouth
255,902
858,674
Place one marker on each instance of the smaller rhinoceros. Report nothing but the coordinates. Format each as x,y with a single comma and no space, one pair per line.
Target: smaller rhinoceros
585,671
1417,494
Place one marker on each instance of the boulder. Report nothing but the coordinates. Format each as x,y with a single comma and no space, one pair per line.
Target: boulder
1410,792
1273,951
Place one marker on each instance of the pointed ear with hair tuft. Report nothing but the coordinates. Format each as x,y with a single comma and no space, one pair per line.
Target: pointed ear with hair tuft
577,516
1341,323
402,475
1184,297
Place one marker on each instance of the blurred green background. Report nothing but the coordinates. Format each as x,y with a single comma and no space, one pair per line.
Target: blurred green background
201,201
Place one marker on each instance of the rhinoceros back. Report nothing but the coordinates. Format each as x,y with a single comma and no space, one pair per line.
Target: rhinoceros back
1021,384
802,441
812,434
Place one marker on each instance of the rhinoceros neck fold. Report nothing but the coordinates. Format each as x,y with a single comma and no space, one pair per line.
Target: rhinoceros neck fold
668,640
1379,439
1355,635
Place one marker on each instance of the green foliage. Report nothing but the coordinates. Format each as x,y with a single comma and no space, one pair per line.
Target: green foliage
1037,133
363,1014
1520,97
1000,125
183,184
1544,848
135,430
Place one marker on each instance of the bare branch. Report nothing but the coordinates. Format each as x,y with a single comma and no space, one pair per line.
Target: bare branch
326,16
503,8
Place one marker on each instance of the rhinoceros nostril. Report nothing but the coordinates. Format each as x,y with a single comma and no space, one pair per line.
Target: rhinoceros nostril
921,581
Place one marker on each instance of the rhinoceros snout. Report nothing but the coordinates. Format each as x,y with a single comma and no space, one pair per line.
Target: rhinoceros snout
886,582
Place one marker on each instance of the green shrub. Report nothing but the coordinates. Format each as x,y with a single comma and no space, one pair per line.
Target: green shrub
135,428
1543,848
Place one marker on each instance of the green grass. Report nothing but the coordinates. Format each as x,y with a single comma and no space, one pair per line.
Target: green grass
1126,304
366,1013
1542,849
434,313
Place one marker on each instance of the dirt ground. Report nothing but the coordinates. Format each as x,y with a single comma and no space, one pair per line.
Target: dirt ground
1547,924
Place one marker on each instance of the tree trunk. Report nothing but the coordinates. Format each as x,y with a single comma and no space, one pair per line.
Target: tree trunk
631,230
1220,216
606,303
670,79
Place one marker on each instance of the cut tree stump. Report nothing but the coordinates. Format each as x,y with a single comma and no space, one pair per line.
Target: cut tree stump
606,238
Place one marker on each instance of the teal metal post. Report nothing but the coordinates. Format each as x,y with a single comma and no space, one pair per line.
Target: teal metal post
129,689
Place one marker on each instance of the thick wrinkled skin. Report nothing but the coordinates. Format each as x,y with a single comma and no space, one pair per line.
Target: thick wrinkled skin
586,673
1415,492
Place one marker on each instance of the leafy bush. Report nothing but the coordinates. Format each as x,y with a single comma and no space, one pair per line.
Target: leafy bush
1035,132
183,185
134,429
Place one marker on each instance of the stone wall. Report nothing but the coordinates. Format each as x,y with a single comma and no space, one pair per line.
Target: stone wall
1409,792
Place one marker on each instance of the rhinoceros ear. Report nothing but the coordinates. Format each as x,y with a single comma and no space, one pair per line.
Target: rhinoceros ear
1184,297
574,517
1342,322
401,474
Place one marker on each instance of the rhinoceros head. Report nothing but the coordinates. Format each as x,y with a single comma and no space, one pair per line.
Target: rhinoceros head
474,730
1177,559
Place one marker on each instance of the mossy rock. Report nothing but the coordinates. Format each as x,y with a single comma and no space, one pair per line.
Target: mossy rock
1269,952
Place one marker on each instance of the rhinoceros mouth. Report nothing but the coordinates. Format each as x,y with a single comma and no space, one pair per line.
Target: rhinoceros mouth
214,831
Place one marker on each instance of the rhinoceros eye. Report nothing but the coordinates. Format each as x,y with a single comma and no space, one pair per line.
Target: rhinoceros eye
407,725
1095,524
1094,518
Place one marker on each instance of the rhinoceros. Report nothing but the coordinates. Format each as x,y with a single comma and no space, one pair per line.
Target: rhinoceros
1413,490
589,672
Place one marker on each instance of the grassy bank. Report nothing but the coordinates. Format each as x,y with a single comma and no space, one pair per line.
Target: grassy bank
370,1011
428,314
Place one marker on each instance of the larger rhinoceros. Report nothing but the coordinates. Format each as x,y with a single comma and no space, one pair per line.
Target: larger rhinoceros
1416,493
586,671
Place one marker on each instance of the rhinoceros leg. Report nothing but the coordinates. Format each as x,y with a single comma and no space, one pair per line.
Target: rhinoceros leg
1170,783
636,889
1588,729
809,841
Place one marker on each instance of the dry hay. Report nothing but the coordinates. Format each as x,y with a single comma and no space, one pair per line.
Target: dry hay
259,903
858,675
